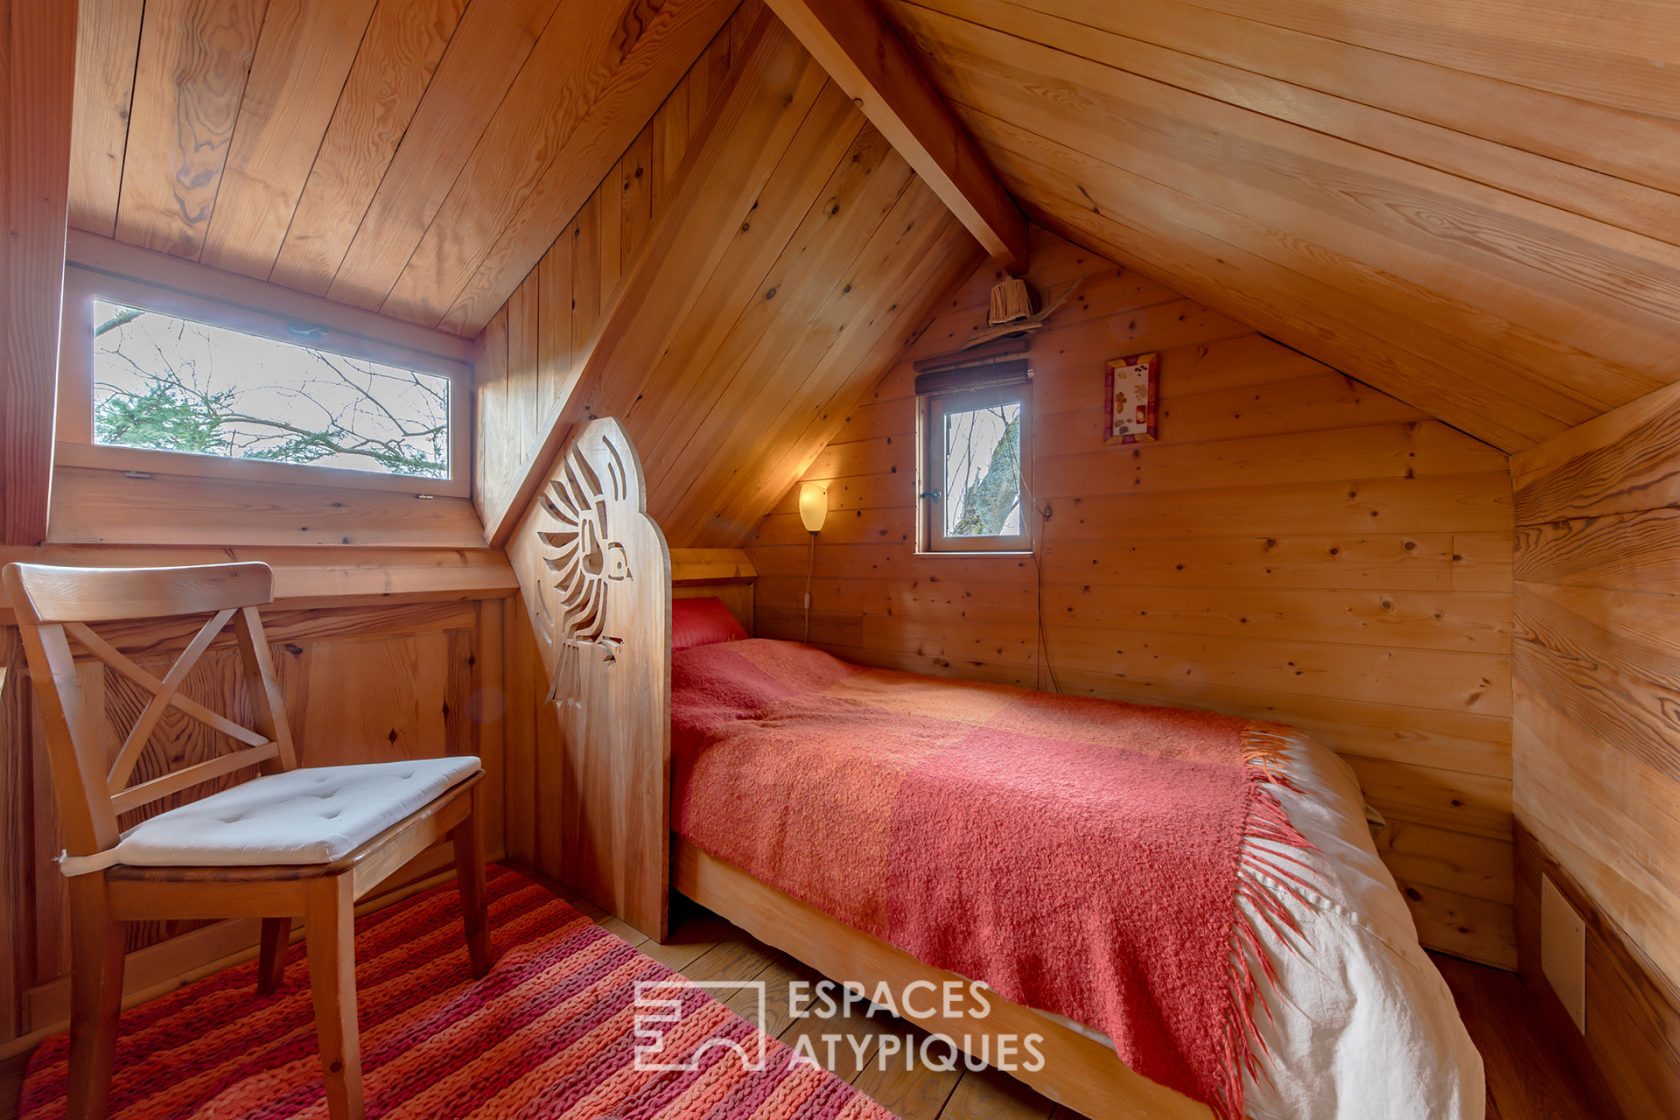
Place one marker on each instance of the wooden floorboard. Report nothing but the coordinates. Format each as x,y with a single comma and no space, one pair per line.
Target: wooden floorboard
1530,1076
1530,1073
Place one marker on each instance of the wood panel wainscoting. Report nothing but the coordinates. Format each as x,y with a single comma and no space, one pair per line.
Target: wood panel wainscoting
1297,546
381,654
1596,735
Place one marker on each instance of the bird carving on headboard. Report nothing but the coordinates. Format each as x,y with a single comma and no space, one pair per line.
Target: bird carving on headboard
586,561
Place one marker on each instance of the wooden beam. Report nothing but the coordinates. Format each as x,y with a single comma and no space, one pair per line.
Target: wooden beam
37,73
868,60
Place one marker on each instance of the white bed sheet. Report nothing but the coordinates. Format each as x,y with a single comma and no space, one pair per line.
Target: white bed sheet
1362,1027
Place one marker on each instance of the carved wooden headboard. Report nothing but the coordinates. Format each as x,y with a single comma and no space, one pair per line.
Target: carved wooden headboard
596,577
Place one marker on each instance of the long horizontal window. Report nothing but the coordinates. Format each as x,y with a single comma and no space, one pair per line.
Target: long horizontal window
164,382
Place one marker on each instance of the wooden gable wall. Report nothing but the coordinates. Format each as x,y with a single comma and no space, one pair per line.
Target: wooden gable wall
1298,546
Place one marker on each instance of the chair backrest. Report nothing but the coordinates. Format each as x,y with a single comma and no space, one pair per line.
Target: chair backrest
56,606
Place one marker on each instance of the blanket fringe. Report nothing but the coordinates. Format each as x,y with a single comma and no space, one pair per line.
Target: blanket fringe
1269,839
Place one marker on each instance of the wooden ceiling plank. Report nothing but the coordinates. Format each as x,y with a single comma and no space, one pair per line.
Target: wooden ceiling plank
768,351
820,362
741,275
1618,143
1621,53
590,294
1380,302
670,132
869,61
1497,318
495,457
303,58
779,290
1297,310
524,355
554,87
107,47
1452,147
555,356
194,58
771,91
917,255
37,80
631,95
633,200
482,60
1360,295
919,252
1588,296
704,79
401,51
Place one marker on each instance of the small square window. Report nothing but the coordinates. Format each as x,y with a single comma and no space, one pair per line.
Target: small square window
973,485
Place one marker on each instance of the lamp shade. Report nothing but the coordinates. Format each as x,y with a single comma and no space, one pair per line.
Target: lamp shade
813,505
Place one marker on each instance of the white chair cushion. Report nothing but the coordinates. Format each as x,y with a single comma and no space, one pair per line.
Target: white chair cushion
310,815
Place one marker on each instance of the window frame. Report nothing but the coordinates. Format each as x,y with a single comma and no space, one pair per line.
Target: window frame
931,410
75,446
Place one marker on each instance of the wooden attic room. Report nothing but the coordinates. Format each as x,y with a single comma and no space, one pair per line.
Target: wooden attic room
808,559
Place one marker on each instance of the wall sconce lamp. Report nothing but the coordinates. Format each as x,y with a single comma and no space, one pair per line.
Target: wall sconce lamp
813,511
813,505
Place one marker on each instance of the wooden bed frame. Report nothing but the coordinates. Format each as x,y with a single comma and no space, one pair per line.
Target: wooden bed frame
609,635
1078,1071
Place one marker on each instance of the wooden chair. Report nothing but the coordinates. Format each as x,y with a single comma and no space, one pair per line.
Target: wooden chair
291,843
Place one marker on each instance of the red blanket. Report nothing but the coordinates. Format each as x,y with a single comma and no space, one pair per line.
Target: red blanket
1081,856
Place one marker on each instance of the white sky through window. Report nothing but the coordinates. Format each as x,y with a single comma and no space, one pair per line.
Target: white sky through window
174,384
971,442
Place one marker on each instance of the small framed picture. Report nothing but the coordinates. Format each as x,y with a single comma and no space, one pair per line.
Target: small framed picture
1131,399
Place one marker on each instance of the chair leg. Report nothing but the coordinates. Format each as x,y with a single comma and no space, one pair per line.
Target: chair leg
468,842
96,981
329,931
271,961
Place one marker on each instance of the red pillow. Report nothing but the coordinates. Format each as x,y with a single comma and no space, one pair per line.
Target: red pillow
700,622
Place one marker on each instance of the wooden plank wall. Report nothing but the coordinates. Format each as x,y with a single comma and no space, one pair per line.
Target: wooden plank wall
1297,546
37,61
1597,720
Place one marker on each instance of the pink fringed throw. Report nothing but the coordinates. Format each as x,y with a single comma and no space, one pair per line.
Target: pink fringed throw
1116,864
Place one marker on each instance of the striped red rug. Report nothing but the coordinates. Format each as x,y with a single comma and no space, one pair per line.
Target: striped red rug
549,1033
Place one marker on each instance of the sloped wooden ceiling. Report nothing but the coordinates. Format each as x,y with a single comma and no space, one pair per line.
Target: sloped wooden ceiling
1470,206
731,316
414,157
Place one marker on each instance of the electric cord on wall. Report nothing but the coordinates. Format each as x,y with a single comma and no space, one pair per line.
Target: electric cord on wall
1042,663
1045,665
810,570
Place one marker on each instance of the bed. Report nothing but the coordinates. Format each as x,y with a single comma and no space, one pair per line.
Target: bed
791,767
767,778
